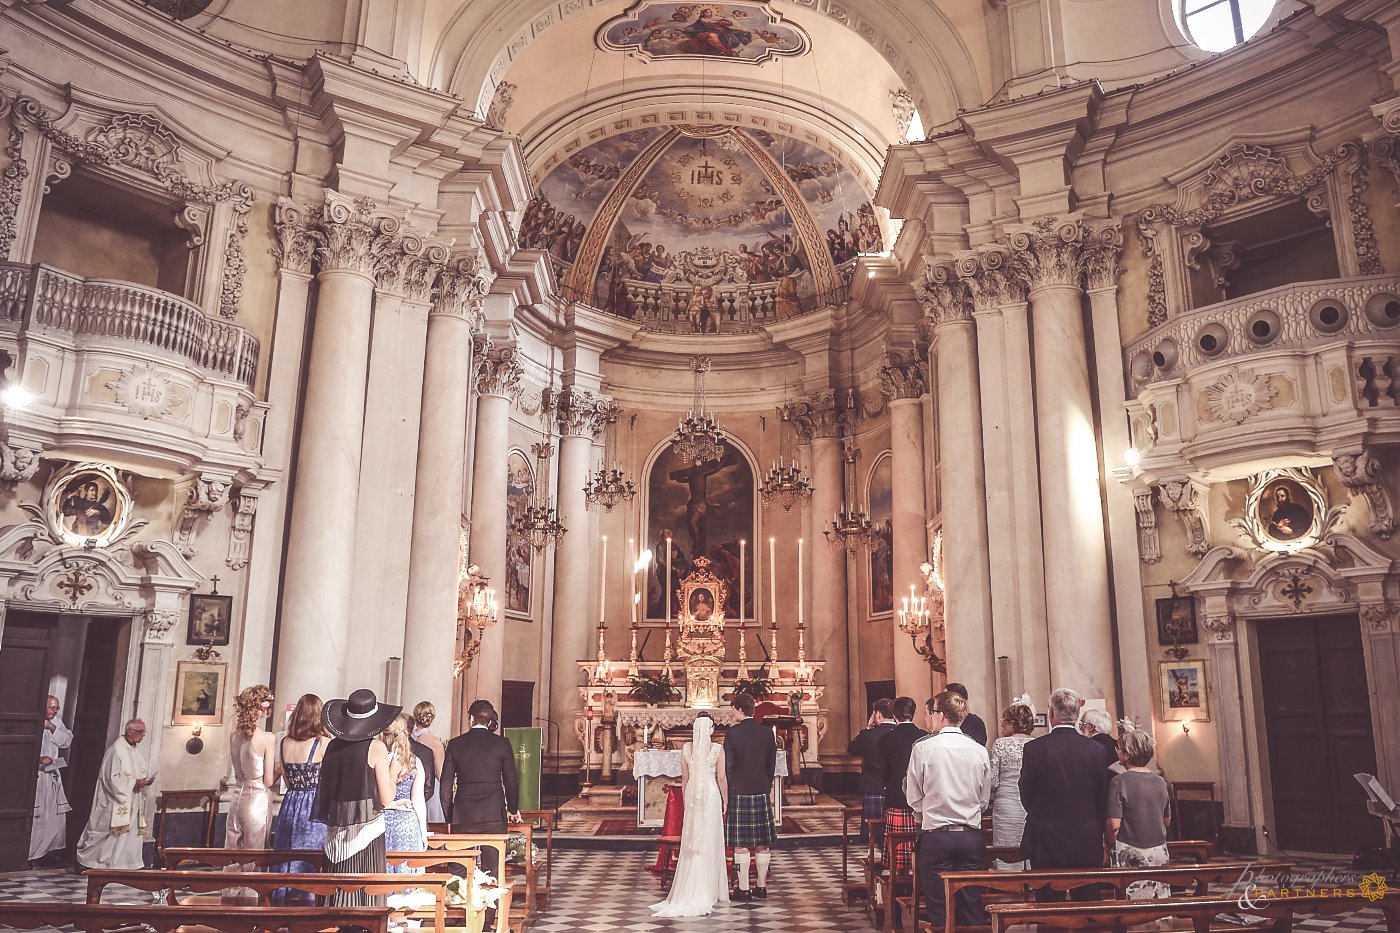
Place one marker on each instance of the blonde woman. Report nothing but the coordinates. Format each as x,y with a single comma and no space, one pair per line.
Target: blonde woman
1138,812
253,752
406,818
423,715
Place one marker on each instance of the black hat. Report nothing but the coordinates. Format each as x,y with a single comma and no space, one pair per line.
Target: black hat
358,718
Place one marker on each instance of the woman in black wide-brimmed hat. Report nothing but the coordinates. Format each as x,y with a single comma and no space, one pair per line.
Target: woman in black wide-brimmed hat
355,788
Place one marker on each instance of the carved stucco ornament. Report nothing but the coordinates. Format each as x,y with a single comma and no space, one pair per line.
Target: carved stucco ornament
1239,395
145,392
1361,474
1188,500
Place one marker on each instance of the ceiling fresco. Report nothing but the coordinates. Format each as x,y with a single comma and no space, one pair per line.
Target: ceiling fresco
707,206
748,32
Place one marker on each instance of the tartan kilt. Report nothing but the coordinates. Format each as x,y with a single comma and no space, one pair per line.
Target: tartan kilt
872,808
901,819
749,821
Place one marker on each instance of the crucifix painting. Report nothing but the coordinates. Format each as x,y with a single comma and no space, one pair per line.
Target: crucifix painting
707,508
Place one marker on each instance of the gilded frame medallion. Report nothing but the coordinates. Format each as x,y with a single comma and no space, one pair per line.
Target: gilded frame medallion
87,505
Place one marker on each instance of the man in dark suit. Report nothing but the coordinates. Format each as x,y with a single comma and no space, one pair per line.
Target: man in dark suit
750,761
895,748
479,783
1098,725
972,726
1064,788
866,744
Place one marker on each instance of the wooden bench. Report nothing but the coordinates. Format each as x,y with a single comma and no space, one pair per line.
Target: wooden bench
1195,914
269,859
96,918
525,913
1179,851
851,891
263,884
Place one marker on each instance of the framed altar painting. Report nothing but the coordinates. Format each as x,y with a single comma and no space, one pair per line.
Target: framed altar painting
881,497
211,619
1184,693
199,693
1176,621
520,566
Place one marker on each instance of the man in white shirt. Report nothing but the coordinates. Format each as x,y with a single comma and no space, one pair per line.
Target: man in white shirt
50,802
949,784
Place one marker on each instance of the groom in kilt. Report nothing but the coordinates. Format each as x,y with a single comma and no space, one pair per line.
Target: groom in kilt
750,760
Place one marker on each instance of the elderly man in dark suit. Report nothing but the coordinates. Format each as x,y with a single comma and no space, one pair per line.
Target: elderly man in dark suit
750,761
479,783
1064,788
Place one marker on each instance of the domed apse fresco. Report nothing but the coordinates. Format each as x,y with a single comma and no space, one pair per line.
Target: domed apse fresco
702,227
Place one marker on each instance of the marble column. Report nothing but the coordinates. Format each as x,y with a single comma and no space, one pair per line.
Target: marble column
819,422
1218,628
904,379
497,385
968,599
430,633
1076,559
315,618
581,416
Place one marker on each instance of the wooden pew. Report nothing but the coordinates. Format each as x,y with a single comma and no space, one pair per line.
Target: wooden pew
851,891
264,883
1195,914
500,842
1179,851
894,885
268,859
548,820
871,866
95,918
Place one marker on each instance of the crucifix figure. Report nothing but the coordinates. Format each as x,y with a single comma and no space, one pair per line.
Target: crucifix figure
696,478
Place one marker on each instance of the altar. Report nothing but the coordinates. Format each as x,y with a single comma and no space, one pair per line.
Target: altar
655,768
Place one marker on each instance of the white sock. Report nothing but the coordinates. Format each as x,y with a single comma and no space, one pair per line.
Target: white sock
741,866
761,859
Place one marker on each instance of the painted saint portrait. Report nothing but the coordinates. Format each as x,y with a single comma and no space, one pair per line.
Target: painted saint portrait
520,486
211,619
88,505
1183,686
702,604
199,692
707,508
1286,510
882,554
1176,621
747,32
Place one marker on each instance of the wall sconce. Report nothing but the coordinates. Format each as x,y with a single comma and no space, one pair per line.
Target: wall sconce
195,744
1186,727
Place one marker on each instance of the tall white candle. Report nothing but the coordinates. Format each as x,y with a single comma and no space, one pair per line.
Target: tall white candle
772,581
799,582
741,588
603,583
632,576
667,594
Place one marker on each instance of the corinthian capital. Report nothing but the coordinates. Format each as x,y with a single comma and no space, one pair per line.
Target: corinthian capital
407,264
297,239
498,372
943,294
463,287
353,233
815,416
1103,245
583,414
1049,250
993,275
903,374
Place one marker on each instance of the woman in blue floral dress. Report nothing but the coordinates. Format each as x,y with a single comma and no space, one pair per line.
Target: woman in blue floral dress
406,819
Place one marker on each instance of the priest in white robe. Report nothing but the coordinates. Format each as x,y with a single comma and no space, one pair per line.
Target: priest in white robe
50,802
117,828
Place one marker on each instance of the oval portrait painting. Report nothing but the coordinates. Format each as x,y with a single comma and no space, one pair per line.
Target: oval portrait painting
1286,511
88,505
702,604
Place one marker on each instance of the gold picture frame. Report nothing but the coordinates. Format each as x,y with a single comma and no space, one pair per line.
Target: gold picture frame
1185,696
704,597
199,693
87,505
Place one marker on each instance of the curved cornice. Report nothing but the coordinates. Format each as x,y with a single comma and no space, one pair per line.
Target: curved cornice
484,37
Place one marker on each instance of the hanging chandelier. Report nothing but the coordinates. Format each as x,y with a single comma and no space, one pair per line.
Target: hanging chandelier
611,485
853,530
786,482
539,523
698,436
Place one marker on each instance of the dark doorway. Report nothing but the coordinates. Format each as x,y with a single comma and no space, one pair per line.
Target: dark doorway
24,657
1317,715
878,690
517,704
93,717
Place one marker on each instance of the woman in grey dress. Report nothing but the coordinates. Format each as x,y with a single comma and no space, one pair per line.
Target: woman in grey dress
1008,816
1138,813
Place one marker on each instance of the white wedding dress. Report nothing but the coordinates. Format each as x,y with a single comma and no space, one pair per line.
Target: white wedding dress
701,880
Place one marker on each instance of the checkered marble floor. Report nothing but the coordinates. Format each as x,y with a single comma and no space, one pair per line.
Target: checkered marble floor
610,892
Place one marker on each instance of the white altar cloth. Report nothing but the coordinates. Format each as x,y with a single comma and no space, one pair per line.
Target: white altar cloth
666,762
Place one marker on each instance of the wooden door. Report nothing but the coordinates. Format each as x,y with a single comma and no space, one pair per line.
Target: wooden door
24,654
1317,716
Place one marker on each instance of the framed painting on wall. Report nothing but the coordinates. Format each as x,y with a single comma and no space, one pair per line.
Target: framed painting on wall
211,619
199,693
1176,621
1184,693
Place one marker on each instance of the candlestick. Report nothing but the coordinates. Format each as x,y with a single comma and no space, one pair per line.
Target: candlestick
742,545
668,588
667,656
632,670
773,671
632,578
603,582
773,582
799,584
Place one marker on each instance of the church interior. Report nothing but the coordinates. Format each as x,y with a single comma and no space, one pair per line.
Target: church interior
605,359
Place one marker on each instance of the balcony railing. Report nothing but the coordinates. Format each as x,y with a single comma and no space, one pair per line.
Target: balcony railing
42,296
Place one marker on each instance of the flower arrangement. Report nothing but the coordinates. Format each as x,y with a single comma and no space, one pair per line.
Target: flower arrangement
478,895
652,689
756,686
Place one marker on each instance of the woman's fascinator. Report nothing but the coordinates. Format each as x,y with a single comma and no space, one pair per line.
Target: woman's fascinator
1129,724
1025,700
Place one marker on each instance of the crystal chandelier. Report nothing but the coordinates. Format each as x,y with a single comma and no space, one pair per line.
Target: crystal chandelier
698,437
610,485
786,481
852,530
539,523
476,612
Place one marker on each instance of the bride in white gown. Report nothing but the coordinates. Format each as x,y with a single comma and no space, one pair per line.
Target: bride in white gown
701,880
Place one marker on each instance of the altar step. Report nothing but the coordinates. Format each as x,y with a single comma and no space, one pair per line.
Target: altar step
600,821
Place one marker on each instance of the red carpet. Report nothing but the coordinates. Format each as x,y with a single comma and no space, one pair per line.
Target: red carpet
629,827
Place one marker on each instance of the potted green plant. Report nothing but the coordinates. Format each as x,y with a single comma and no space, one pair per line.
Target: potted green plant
756,686
652,689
